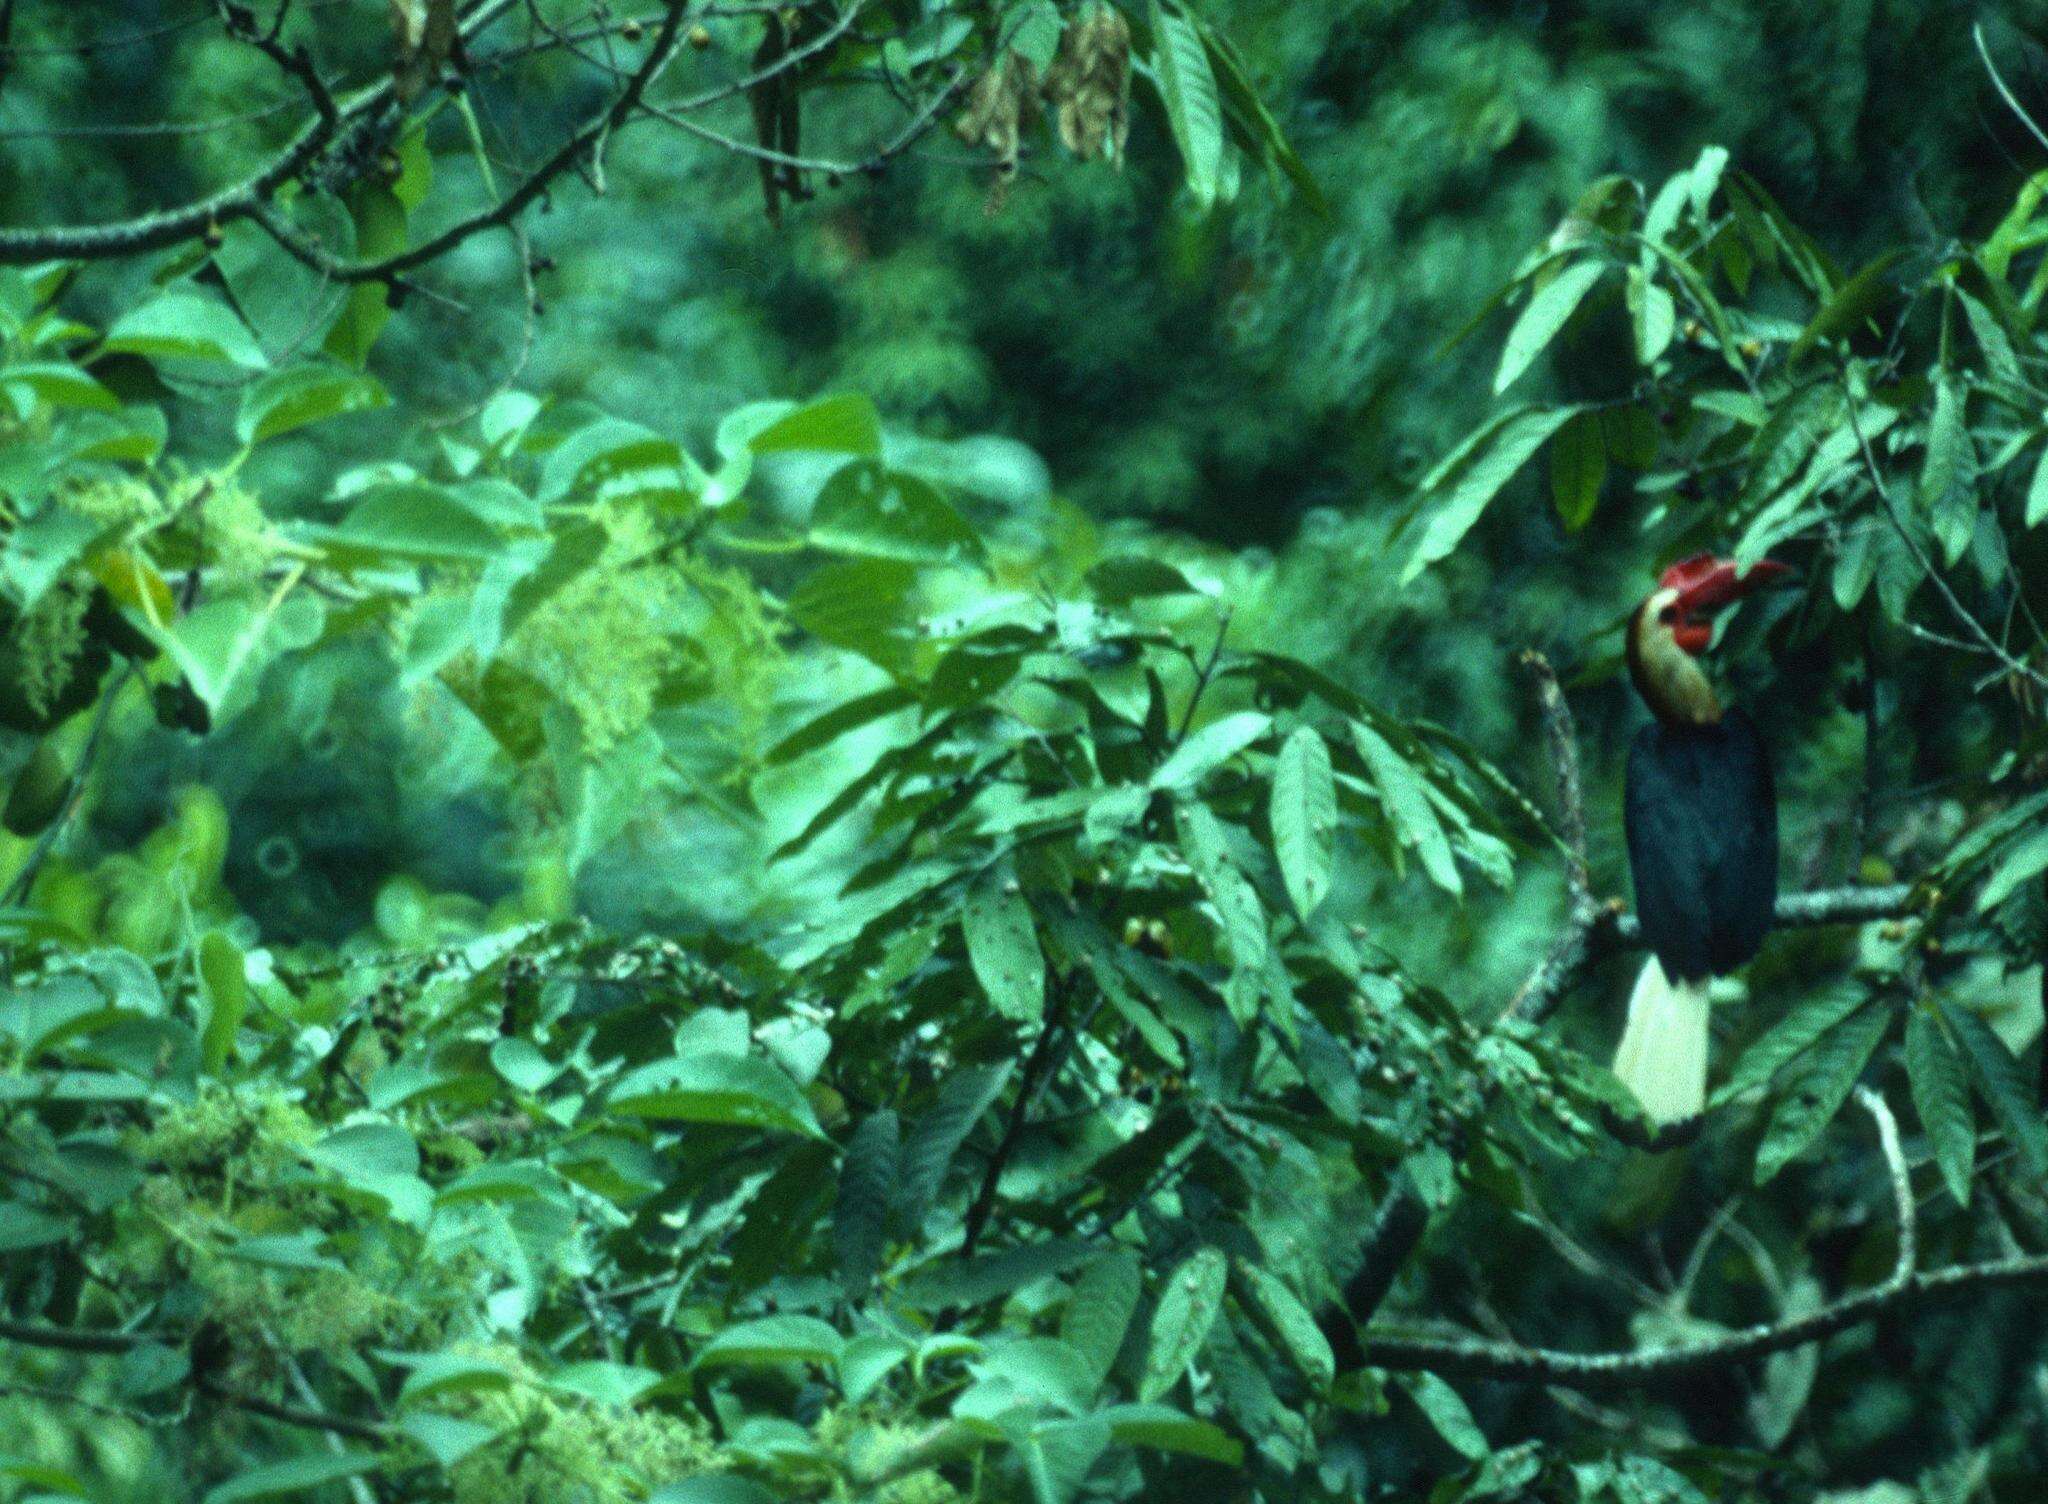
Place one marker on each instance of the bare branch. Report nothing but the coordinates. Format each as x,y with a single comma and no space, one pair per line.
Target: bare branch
70,1339
1563,738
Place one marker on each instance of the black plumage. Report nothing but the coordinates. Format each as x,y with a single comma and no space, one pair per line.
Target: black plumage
1701,816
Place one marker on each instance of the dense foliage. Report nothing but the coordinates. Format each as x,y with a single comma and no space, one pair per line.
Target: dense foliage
606,895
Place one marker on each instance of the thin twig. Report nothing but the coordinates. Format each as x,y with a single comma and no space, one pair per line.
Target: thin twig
1563,739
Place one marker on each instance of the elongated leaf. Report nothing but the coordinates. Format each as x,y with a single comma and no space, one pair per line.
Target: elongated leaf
1404,797
2003,1085
2037,493
772,1340
1578,468
870,510
2017,864
1287,1321
1848,306
1941,1095
1188,1304
1002,946
298,395
716,1088
1099,1311
296,1477
1461,496
1791,1037
1448,1412
838,721
1209,748
1166,1429
1550,306
867,1185
184,323
1304,818
1948,475
1188,90
992,1274
1821,1087
929,1149
845,423
226,989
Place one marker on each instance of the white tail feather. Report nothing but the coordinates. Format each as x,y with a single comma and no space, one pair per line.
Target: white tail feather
1663,1054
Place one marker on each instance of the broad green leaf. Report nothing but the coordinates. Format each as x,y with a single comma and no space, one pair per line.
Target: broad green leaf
870,510
297,395
989,1275
1941,1095
1821,1086
1303,813
1948,476
1287,1322
1550,306
1099,1311
415,521
1447,1412
2004,1087
1187,87
928,1149
134,435
712,1488
1165,1429
1578,468
867,1184
226,989
716,1088
1461,495
185,323
57,384
1404,798
772,1340
23,1227
845,423
1188,1303
613,459
1130,577
614,1385
1209,748
1058,1456
451,1373
2017,863
1790,1038
298,1476
1002,947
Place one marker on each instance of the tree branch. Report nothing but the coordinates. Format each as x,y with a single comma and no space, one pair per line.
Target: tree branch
1563,738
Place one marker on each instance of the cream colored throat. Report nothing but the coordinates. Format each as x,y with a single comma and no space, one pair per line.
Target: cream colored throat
1669,679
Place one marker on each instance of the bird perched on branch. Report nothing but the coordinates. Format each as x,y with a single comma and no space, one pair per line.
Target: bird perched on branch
1701,817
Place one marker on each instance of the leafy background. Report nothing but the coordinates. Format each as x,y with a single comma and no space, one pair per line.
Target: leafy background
885,854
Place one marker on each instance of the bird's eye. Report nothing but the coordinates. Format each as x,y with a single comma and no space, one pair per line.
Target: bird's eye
1669,613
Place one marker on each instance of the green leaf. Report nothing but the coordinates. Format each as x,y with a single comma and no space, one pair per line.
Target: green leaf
24,1227
1461,494
226,989
133,435
1653,315
712,1488
1287,1322
1207,849
1002,947
1165,1429
1941,1095
1948,475
1404,798
2037,492
2003,1085
1257,132
989,1275
772,1340
867,1184
1817,1093
2017,863
1130,577
1099,1311
613,459
1447,1412
302,394
1188,1304
415,520
1578,468
850,715
451,1373
963,1098
1209,748
868,509
1789,1038
715,1088
298,1475
1187,88
1304,818
1549,307
57,384
184,323
844,423
1848,306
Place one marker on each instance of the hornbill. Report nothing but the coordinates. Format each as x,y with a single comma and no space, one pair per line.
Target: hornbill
1702,823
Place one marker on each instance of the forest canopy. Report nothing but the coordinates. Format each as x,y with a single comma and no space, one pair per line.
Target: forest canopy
894,751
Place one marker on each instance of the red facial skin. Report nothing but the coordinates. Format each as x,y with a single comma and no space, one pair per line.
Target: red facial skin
1706,585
